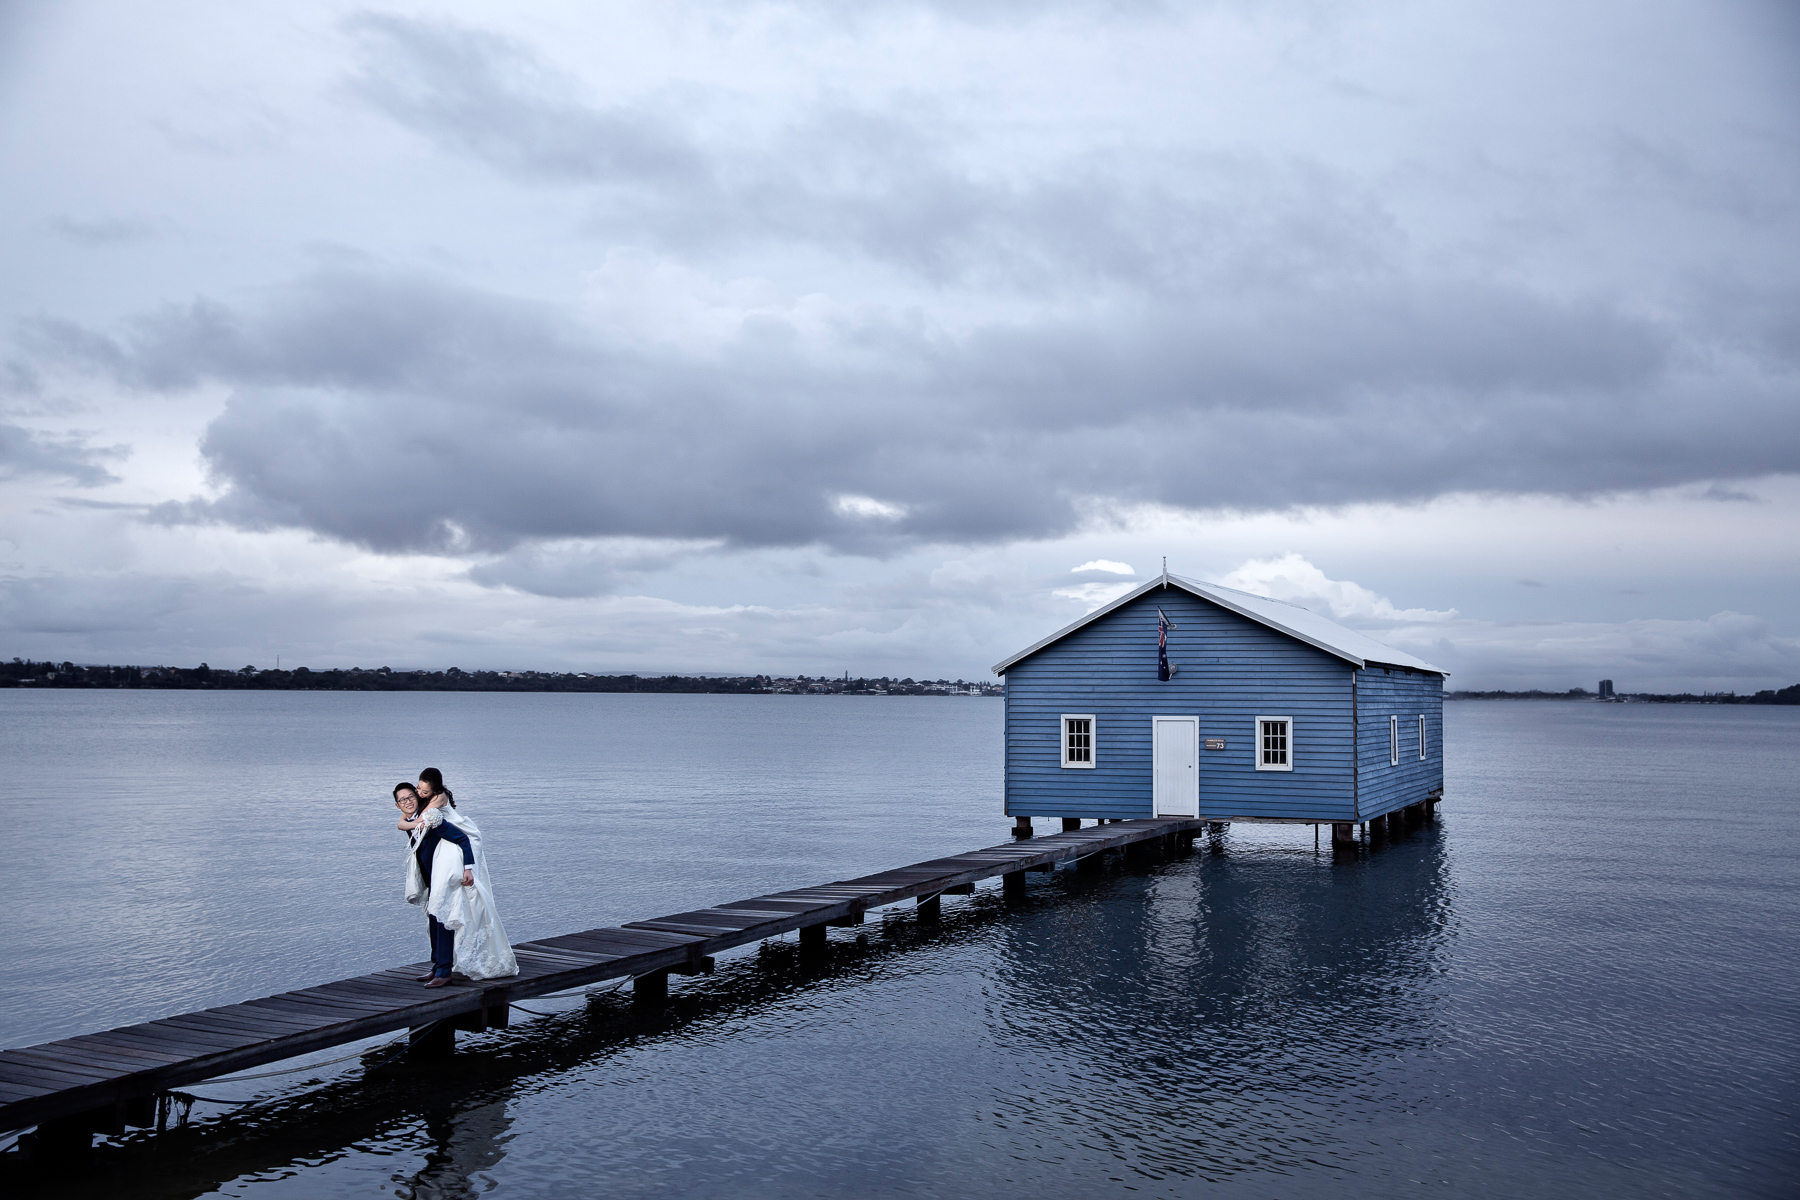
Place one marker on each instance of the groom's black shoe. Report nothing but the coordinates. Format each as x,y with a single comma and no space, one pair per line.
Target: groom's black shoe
439,981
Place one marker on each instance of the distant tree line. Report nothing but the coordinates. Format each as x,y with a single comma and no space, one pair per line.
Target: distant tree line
21,672
1787,695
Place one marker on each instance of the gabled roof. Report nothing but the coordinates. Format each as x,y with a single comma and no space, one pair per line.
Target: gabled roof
1299,623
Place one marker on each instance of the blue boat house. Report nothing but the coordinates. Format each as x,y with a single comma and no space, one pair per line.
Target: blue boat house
1183,698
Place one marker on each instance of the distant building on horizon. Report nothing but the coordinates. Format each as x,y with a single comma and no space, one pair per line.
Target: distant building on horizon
1606,689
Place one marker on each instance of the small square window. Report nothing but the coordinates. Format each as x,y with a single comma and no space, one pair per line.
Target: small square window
1078,740
1421,737
1274,743
1393,741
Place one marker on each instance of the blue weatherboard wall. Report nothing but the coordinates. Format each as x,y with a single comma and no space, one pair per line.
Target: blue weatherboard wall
1232,670
1382,693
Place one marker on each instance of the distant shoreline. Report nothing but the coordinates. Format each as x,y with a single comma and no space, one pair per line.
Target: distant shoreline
1787,695
23,673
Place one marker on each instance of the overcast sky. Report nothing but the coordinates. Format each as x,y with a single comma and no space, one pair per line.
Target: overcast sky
889,337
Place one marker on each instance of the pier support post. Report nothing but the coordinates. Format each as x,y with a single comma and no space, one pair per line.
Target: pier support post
1378,828
1012,885
1021,827
74,1134
437,1040
1343,835
1071,824
930,908
650,989
813,937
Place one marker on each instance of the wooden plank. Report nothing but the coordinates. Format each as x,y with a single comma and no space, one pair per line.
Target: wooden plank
164,1044
168,1054
62,1065
109,1059
649,938
260,1030
763,916
136,1054
727,922
642,936
577,941
377,985
305,1001
676,927
19,1071
350,1001
561,960
581,958
289,1020
259,1020
771,904
336,1013
187,1040
349,995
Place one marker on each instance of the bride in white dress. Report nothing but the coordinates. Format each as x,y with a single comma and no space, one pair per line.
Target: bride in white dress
482,950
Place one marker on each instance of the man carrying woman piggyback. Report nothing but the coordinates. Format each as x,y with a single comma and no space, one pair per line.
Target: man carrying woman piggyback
451,882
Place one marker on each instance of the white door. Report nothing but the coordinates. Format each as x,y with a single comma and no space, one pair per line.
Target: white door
1175,743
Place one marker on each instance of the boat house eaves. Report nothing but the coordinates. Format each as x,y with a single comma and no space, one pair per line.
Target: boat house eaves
1357,649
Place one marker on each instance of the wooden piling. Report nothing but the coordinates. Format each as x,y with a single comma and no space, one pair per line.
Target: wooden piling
436,1040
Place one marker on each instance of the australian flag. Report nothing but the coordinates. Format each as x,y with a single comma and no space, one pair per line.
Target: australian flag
1163,625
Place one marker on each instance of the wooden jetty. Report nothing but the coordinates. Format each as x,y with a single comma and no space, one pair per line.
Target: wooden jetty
102,1082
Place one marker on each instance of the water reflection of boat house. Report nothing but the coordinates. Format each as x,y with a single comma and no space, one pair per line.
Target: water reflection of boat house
1267,712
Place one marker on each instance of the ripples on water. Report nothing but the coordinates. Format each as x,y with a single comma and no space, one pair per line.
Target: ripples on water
1582,980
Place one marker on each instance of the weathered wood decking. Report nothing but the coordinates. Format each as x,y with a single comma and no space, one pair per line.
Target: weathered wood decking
108,1078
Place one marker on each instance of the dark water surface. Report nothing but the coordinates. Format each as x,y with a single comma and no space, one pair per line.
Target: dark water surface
1583,980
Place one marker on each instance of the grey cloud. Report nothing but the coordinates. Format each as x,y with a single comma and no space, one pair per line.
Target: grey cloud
491,97
887,185
1719,491
25,452
580,569
404,414
103,231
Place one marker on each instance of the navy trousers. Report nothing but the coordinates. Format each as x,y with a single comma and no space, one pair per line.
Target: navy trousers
443,946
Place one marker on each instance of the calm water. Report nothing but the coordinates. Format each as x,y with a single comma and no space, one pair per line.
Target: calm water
1583,980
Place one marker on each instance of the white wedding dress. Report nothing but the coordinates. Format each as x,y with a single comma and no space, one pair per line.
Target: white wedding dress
482,951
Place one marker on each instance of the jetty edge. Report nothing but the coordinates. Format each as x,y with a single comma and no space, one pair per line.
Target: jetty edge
102,1082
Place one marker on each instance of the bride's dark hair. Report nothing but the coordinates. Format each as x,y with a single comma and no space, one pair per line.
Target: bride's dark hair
435,778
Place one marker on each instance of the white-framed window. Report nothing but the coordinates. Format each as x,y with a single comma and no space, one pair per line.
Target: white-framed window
1421,737
1393,741
1078,746
1274,743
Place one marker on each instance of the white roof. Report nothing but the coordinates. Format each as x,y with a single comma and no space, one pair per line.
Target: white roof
1300,623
